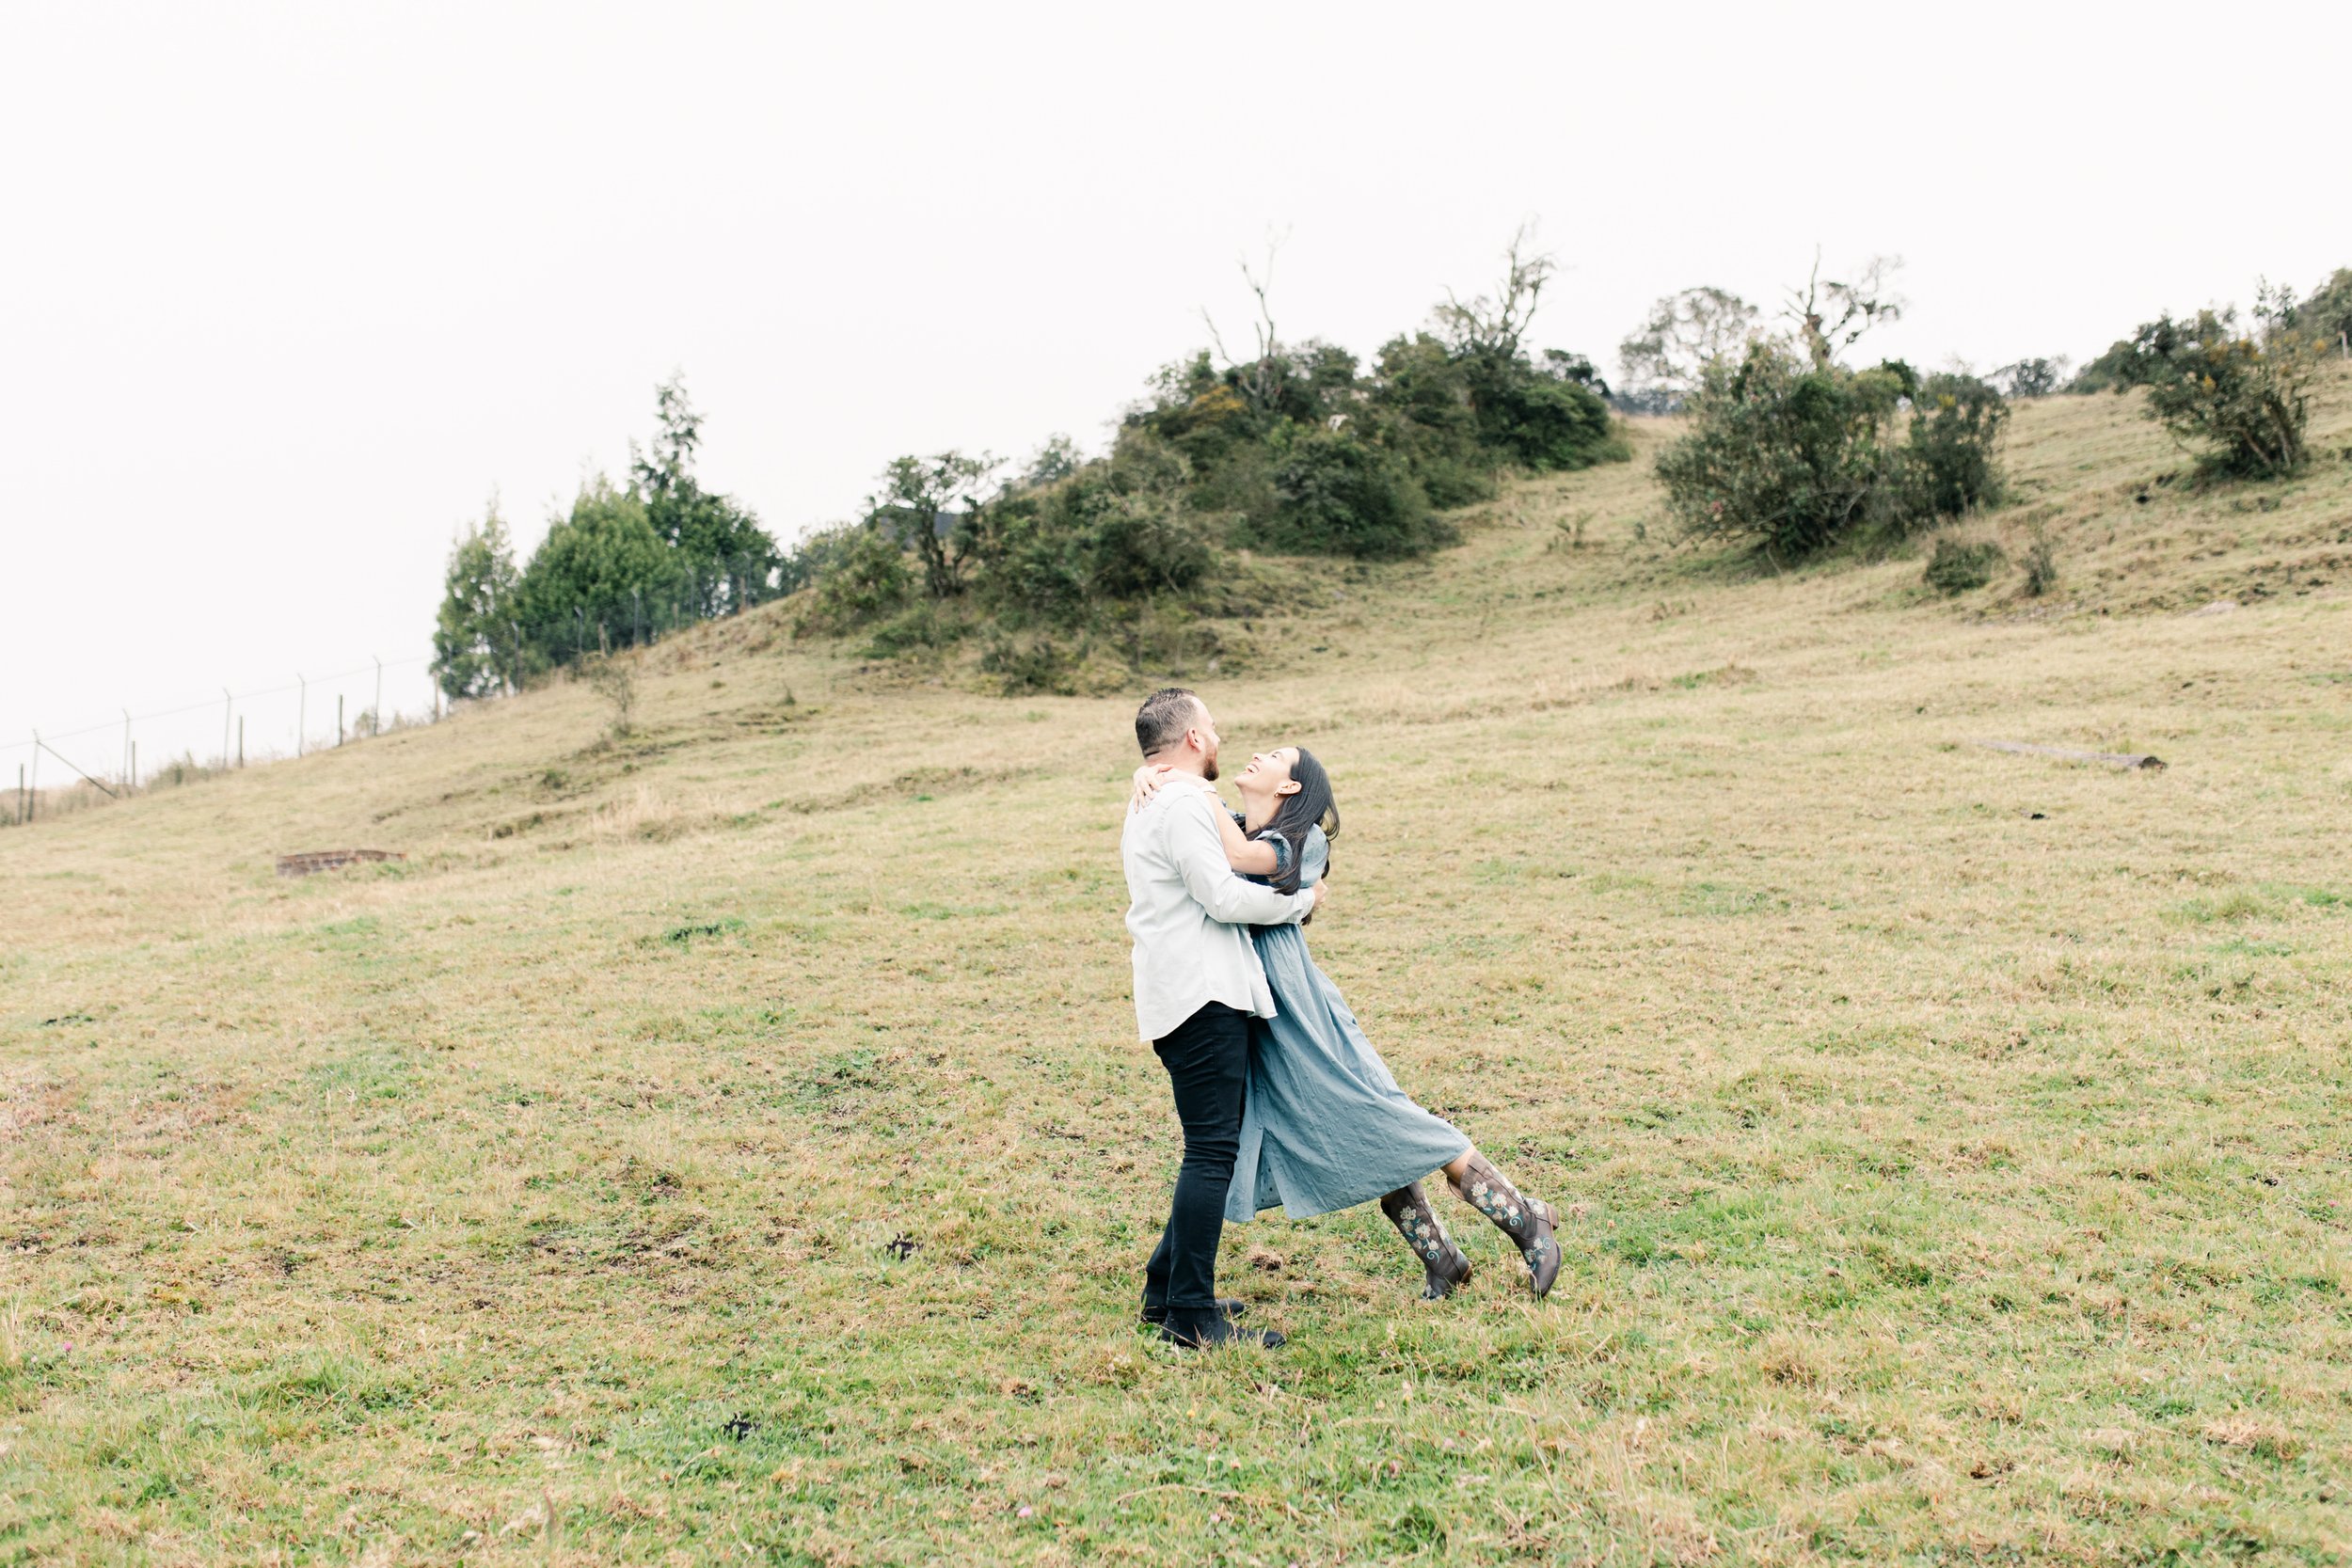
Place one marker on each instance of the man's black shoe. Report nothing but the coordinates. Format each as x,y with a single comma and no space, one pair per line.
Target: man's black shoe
1207,1331
1232,1307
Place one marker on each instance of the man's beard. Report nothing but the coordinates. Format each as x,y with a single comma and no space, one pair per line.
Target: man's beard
1208,770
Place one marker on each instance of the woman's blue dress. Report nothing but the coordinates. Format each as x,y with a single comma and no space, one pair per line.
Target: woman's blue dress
1325,1126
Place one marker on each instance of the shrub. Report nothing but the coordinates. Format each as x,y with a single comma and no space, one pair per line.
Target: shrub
1143,543
1451,480
2241,394
1551,419
1111,531
1785,455
819,553
616,683
1955,569
866,578
1949,462
1028,664
921,625
1342,495
2041,564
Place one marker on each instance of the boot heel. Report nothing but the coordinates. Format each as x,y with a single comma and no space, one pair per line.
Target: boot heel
1444,1270
1527,1222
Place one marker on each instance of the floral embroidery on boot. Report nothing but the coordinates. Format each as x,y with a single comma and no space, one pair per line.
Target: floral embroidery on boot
1443,1267
1527,1221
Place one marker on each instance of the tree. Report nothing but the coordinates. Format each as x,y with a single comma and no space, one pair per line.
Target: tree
474,645
928,506
601,574
1261,381
1663,358
1830,316
1056,460
726,559
2326,313
2033,378
1491,324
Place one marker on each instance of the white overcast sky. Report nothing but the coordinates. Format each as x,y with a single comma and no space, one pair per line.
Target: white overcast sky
286,293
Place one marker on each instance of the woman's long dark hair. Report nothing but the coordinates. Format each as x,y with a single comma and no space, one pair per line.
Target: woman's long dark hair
1301,812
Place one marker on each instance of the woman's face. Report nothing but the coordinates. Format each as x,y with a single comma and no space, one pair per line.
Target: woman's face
1269,773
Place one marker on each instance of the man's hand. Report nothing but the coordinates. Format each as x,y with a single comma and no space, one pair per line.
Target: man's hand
1323,891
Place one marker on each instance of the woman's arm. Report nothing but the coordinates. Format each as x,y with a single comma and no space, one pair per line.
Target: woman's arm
1249,856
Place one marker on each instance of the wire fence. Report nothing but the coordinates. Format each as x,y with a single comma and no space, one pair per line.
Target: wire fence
52,772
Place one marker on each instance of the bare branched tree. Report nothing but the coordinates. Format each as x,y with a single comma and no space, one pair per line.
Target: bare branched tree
1494,323
1830,315
1685,333
1260,382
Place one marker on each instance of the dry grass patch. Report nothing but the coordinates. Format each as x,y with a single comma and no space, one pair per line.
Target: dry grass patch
750,1157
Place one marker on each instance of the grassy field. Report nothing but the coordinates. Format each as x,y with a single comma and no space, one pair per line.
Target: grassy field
727,1144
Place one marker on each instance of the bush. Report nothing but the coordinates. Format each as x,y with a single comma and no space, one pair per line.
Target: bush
2040,565
1342,495
1028,664
866,578
1550,420
1787,457
2241,394
1955,569
1450,479
1145,544
1111,530
920,625
1950,463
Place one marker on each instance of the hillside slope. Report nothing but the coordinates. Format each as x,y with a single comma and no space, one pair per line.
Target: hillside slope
730,1137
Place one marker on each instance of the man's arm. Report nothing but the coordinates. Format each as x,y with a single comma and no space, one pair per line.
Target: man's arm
1199,857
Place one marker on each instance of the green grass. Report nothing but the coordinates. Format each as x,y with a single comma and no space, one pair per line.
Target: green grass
744,1156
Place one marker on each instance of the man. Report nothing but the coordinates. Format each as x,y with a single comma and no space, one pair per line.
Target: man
1196,983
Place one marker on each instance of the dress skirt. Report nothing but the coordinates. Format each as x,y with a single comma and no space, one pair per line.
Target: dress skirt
1325,1126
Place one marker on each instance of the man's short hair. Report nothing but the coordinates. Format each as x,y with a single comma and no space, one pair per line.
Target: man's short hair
1164,717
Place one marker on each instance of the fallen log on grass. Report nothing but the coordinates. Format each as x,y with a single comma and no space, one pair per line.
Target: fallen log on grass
2113,759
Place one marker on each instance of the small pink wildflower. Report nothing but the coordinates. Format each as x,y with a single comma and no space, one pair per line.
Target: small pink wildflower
1022,1511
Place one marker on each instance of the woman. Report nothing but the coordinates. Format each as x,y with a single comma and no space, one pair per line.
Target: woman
1325,1126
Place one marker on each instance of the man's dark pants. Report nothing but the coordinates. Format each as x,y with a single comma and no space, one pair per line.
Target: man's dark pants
1207,1058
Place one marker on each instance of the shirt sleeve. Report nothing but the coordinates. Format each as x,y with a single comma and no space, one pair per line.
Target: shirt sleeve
1198,852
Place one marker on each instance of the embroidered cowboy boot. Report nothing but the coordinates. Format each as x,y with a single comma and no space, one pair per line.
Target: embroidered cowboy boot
1443,1267
1527,1221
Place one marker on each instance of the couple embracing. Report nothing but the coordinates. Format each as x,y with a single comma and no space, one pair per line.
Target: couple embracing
1282,1097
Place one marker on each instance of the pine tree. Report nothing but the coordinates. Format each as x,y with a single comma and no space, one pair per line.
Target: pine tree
474,643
